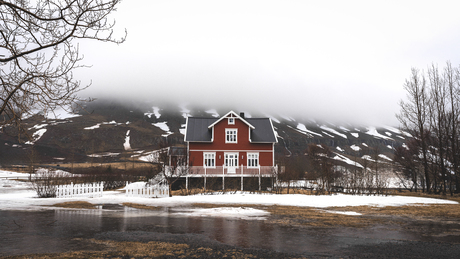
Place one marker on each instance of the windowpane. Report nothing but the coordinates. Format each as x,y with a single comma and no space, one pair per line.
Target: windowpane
253,159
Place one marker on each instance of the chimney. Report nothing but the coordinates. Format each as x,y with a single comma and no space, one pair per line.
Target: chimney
242,115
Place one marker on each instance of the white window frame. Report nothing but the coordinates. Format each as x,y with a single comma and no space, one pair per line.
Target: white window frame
231,121
209,156
235,159
233,137
253,160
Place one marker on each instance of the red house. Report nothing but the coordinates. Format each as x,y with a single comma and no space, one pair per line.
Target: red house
230,146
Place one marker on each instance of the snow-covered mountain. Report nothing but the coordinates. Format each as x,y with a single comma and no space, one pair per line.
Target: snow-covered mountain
109,130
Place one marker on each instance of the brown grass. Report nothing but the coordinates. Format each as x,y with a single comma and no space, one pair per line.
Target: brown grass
115,165
307,216
140,206
75,205
455,197
153,249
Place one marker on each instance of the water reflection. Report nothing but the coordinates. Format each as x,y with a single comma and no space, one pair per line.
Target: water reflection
25,232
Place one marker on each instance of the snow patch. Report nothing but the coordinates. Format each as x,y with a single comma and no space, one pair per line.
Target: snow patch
339,149
304,129
355,147
213,113
185,111
333,131
373,132
126,145
36,136
385,157
228,212
164,127
356,135
347,160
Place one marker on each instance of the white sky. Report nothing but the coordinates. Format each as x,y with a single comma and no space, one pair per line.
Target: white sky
332,60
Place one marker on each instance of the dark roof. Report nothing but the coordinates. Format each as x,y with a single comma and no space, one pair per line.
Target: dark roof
263,131
197,130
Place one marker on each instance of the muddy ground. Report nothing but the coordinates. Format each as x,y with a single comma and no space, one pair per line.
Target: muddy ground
369,232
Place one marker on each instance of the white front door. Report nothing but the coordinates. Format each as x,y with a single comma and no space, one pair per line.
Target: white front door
231,162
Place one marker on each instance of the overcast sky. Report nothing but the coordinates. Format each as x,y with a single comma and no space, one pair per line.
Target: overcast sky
333,60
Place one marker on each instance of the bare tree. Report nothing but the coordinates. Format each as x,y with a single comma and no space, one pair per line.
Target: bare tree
39,50
170,164
414,116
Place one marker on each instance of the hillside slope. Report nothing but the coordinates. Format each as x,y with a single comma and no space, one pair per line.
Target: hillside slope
108,130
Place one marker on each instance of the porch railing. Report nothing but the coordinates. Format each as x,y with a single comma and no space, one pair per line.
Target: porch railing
228,171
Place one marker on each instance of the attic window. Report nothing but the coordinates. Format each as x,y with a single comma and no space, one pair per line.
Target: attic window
231,121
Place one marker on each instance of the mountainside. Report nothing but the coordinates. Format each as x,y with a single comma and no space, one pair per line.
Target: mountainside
113,131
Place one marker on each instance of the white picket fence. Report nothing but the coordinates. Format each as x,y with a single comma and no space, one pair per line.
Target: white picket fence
142,190
80,190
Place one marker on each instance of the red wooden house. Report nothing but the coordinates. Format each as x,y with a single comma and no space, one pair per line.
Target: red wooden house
230,146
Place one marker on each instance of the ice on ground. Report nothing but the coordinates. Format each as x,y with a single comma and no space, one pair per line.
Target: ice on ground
373,132
333,131
355,147
93,127
104,154
349,213
164,127
126,145
328,134
103,123
347,160
397,131
38,126
385,157
36,136
156,112
25,199
229,212
303,128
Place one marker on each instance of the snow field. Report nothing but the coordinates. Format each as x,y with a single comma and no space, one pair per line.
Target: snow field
15,195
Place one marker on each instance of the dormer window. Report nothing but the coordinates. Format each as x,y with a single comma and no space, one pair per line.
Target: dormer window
231,135
231,121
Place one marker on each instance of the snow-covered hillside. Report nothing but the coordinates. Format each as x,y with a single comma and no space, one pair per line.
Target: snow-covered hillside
108,127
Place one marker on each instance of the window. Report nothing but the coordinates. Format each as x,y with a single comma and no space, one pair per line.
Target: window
230,135
231,160
253,159
231,121
209,159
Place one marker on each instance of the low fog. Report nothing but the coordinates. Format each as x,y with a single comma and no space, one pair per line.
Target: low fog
333,60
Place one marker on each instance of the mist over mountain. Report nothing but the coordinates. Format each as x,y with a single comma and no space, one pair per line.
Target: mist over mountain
111,130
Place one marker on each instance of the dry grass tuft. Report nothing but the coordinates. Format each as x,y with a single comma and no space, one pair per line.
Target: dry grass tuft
113,249
75,205
140,206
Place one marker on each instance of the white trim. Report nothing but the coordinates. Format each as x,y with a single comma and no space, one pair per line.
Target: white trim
213,154
273,129
231,121
247,159
236,157
230,150
236,136
186,126
236,117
